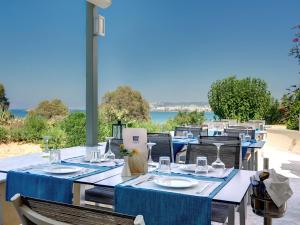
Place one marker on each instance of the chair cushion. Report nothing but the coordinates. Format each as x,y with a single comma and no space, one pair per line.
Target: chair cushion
219,212
102,195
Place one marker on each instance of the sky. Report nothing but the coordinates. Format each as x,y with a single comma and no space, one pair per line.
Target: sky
169,50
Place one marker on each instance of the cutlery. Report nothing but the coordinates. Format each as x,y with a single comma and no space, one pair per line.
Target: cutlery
145,180
204,189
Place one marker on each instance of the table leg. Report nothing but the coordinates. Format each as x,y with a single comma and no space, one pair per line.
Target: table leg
9,214
256,160
78,194
252,160
243,211
231,216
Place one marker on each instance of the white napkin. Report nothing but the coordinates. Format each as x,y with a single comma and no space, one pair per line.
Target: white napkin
278,187
139,220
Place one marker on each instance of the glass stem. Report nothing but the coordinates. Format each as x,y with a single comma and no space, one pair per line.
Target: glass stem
218,153
150,157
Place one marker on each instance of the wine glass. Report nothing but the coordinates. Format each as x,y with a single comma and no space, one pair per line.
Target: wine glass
247,136
190,135
218,164
150,145
46,140
109,155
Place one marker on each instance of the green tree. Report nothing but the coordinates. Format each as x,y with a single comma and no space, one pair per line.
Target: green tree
51,109
74,127
4,103
124,104
274,115
243,99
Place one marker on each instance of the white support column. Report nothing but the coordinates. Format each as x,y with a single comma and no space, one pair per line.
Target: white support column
91,76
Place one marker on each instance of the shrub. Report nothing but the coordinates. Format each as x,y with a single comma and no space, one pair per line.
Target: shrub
17,134
3,135
184,118
74,127
274,115
34,127
57,136
293,119
150,126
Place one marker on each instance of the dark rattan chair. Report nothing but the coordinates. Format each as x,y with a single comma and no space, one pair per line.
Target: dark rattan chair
163,145
105,195
196,131
39,212
235,131
230,153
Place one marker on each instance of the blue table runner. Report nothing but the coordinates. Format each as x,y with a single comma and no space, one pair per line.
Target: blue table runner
36,184
167,208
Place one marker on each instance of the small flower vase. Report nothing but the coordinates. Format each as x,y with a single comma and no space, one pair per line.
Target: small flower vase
126,169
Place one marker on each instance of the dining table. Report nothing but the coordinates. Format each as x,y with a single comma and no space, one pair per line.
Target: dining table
233,193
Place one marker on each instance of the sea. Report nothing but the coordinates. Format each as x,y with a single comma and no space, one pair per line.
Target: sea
157,117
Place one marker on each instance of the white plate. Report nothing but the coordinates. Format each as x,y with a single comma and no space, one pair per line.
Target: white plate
175,182
62,169
192,167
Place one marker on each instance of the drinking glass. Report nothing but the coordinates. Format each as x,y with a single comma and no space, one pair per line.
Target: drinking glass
242,136
247,136
109,155
164,164
184,133
54,156
95,156
218,164
201,165
190,135
150,145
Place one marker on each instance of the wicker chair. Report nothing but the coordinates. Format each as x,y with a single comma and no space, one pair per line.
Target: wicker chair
196,131
115,147
163,145
39,212
230,153
236,131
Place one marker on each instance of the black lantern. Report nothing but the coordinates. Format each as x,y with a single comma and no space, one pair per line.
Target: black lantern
117,129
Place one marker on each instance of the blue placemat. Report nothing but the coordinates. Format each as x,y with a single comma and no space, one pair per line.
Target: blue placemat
35,183
167,208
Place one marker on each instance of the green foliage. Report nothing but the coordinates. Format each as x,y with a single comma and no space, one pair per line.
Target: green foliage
57,136
149,125
243,99
124,104
51,109
74,127
3,135
34,127
5,117
17,134
274,115
104,128
4,103
293,119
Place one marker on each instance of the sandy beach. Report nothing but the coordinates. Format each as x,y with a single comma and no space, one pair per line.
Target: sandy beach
16,149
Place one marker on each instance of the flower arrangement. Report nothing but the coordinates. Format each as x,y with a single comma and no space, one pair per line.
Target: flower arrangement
127,152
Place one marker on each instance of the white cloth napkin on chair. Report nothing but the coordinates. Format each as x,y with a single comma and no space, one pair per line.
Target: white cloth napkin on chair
278,187
139,220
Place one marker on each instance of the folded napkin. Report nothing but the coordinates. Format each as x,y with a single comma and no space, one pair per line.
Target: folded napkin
278,187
